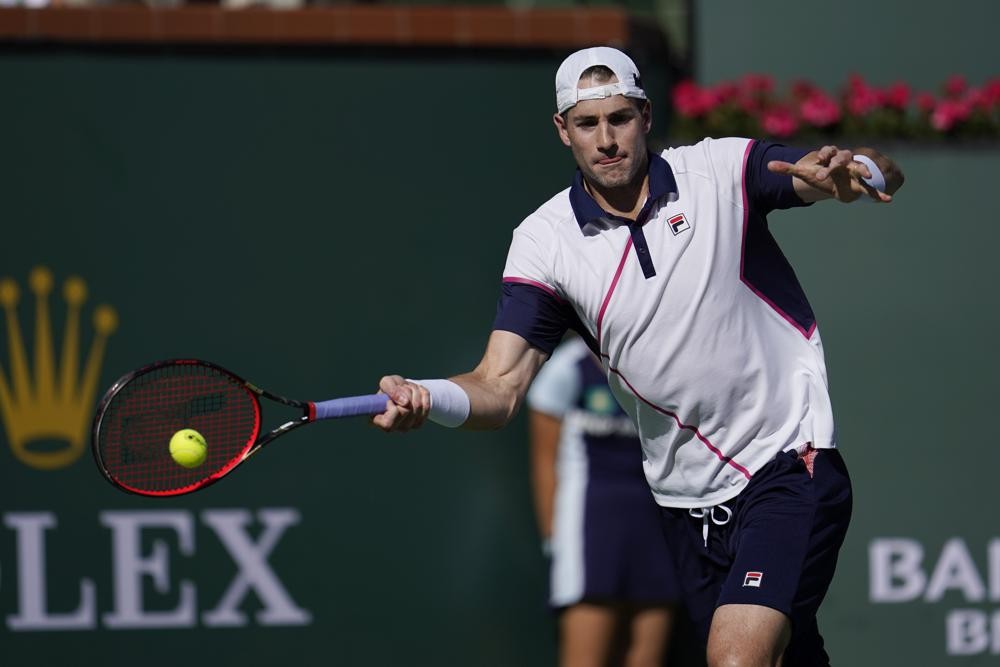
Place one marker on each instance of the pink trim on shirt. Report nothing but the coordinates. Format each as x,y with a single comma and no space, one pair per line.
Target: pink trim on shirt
533,283
614,283
705,441
743,248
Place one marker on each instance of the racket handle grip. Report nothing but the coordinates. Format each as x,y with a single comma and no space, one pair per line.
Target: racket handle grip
352,406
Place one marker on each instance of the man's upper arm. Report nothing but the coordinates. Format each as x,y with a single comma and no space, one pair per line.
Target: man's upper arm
766,190
531,305
534,313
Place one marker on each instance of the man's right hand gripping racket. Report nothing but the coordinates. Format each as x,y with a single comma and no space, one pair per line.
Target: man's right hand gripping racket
145,409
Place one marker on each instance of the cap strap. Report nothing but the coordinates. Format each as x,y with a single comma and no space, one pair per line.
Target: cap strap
569,98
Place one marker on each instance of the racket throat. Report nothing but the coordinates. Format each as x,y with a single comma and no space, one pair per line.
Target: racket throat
280,430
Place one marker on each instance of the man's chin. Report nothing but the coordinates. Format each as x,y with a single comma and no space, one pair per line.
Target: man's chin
611,180
615,174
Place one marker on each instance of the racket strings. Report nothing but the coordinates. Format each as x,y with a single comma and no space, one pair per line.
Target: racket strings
138,423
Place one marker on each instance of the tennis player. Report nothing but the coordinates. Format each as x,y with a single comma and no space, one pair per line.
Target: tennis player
611,580
665,266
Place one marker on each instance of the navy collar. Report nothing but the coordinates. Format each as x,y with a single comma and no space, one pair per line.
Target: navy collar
587,211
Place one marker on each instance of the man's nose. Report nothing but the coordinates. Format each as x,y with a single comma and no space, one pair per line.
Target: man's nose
605,136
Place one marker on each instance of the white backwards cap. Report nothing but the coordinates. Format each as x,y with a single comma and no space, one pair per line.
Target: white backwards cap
568,77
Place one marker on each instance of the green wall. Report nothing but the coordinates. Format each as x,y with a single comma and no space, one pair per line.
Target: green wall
921,43
312,222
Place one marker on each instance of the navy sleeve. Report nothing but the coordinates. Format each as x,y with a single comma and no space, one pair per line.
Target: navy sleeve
535,315
765,189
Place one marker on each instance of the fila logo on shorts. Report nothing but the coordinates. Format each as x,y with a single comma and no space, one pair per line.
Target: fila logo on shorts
753,579
678,224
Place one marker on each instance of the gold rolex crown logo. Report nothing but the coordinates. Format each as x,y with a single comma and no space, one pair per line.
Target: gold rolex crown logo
50,402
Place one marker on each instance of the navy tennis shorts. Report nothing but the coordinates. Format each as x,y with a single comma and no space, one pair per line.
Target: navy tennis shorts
778,548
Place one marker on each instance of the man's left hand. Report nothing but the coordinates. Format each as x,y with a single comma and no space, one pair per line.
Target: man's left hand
829,172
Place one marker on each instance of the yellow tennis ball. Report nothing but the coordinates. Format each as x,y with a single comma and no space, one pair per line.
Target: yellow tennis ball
188,448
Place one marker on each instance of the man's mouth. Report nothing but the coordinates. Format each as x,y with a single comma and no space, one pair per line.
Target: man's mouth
610,160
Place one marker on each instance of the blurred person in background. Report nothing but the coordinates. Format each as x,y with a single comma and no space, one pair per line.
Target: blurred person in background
611,580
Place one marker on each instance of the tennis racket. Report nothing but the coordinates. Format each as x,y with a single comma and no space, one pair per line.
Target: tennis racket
142,411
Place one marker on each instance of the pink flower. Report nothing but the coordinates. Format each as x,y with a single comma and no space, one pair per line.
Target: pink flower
689,99
802,89
749,104
949,113
991,89
779,121
725,92
819,110
925,102
897,96
805,104
856,81
860,98
863,101
955,85
977,98
757,83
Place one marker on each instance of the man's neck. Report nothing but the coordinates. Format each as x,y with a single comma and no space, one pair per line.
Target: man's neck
625,201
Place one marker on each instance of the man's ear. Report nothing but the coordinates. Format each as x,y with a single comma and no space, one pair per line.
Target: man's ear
647,117
560,123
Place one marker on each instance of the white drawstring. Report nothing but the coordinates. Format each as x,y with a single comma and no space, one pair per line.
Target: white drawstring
704,513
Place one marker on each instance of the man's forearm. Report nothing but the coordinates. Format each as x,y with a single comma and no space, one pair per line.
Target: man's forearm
492,401
494,390
497,386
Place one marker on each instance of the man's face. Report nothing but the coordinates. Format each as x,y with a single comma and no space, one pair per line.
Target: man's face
608,139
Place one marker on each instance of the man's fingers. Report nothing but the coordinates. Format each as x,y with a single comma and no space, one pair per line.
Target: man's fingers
404,394
396,419
860,170
841,160
779,167
825,153
387,385
412,397
840,164
387,419
877,196
425,399
401,396
407,405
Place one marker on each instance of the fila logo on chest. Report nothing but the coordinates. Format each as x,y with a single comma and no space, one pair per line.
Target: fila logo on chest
678,223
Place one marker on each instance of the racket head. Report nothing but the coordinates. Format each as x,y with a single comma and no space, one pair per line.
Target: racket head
142,410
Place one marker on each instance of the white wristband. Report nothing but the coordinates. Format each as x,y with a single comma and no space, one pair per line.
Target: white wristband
877,180
449,403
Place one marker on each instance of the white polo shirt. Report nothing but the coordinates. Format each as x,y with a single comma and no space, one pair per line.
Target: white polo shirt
704,331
